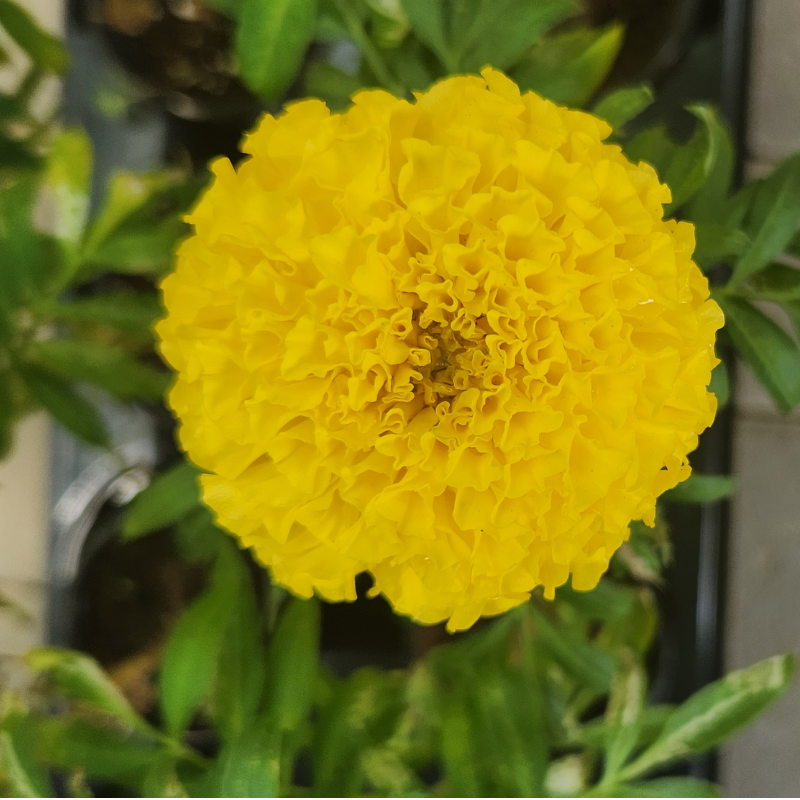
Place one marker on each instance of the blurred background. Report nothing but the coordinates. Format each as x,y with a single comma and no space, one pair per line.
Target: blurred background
152,84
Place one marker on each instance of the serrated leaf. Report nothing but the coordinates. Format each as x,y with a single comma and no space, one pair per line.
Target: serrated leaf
769,351
292,664
699,488
167,499
568,67
271,40
107,367
193,651
70,409
715,713
622,105
771,219
693,163
45,50
81,678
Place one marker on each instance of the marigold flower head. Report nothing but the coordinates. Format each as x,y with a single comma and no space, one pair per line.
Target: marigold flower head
451,342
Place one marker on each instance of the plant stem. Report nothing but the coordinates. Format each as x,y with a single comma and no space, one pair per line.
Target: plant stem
368,49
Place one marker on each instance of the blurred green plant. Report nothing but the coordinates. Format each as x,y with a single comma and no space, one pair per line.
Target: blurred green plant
549,699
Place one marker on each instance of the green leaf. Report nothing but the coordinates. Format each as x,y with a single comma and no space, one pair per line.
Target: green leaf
609,600
568,67
588,664
81,678
249,766
133,314
110,368
101,751
699,488
20,768
167,499
792,309
17,154
710,203
197,537
652,146
243,666
141,252
693,163
769,351
389,22
329,84
499,32
622,105
65,404
292,664
66,185
720,385
271,41
715,713
7,414
46,52
194,647
666,787
427,19
771,219
364,711
777,282
623,718
458,752
716,243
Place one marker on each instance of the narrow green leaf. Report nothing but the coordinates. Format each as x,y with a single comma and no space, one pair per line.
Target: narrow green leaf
146,251
693,163
622,105
776,282
193,650
769,351
20,768
248,766
133,314
243,665
65,404
792,309
101,752
666,787
458,753
772,218
710,203
197,537
717,243
329,84
292,664
568,67
715,713
45,50
271,40
652,146
623,718
109,368
81,678
699,488
609,600
167,499
500,31
427,19
588,664
720,384
161,779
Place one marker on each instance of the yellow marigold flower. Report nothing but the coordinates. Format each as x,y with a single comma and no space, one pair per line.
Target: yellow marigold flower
451,342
